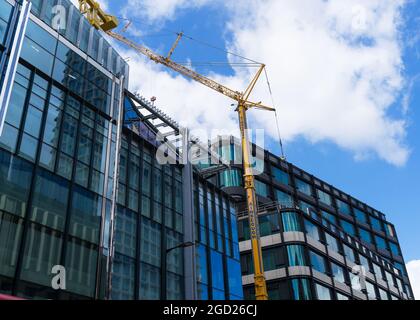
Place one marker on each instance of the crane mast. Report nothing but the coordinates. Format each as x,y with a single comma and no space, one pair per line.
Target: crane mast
106,23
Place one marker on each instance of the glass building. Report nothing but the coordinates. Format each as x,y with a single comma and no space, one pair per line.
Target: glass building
80,184
317,241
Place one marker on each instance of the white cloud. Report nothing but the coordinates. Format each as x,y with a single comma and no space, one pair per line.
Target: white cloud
158,10
413,268
336,69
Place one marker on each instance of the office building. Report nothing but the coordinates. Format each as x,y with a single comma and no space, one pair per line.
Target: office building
80,184
318,242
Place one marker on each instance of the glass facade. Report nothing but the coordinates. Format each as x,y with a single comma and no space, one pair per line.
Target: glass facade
81,189
324,234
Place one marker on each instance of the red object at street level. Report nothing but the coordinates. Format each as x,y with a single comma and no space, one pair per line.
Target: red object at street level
10,298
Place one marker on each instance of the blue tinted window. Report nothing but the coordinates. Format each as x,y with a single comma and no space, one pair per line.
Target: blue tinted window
280,175
284,199
296,255
85,215
376,224
37,56
303,187
126,232
123,276
235,278
8,138
312,230
269,224
15,181
291,222
360,216
329,217
49,203
395,249
261,188
40,36
343,207
349,252
365,235
348,227
17,102
217,270
332,242
301,289
381,243
318,262
324,197
5,10
201,264
338,273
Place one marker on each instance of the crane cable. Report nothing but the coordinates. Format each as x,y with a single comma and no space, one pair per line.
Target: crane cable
283,155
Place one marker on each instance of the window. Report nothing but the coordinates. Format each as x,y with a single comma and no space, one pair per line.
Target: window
306,207
364,262
278,290
149,282
49,204
365,235
296,255
234,278
371,292
338,273
383,294
349,252
174,289
150,242
323,293
15,182
126,232
318,262
324,197
389,229
123,276
291,222
343,207
312,230
332,242
81,262
301,289
284,198
348,227
217,270
390,279
329,217
273,258
395,249
280,176
361,216
39,260
381,243
261,188
342,297
269,224
303,187
85,215
378,271
376,224
201,266
10,235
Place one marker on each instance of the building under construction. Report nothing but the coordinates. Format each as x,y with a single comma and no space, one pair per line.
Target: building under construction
81,187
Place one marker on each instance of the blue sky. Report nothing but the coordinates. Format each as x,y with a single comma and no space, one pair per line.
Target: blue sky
383,171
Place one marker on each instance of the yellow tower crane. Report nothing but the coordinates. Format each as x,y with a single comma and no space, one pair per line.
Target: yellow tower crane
102,21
